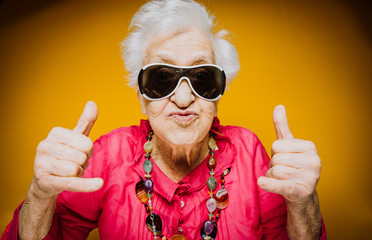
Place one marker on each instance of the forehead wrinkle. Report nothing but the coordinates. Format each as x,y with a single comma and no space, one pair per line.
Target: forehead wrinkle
187,48
196,59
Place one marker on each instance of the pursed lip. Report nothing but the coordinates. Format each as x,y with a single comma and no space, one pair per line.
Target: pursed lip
183,116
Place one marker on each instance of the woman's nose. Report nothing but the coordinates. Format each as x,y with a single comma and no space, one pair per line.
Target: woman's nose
183,96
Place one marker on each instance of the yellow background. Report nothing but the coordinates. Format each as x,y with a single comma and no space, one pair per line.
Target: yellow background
314,57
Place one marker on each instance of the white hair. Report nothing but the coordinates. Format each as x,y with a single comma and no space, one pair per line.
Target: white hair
174,16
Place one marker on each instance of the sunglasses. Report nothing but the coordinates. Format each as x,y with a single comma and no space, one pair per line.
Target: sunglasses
160,80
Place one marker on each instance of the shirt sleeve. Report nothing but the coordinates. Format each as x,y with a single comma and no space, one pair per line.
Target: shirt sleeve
76,214
11,232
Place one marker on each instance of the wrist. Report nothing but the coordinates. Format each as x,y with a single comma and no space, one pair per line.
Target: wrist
35,192
304,218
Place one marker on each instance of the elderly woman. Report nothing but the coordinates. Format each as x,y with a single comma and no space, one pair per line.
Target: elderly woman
179,174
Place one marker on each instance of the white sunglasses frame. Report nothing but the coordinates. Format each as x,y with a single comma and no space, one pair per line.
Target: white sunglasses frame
184,78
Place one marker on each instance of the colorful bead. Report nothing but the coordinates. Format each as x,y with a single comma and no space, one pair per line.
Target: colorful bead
148,147
227,171
212,183
211,204
212,143
154,223
148,185
147,166
140,191
211,163
145,187
208,227
213,234
222,198
178,237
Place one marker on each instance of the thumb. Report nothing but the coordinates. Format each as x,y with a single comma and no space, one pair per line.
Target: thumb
87,119
281,123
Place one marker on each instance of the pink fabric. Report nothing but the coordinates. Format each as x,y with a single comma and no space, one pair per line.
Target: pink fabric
115,209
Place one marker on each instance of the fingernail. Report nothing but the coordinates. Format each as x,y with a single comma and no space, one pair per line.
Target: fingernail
261,181
98,183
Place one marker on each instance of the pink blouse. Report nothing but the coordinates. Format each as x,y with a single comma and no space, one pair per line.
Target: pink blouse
252,213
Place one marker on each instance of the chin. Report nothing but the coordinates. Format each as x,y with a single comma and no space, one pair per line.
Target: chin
184,137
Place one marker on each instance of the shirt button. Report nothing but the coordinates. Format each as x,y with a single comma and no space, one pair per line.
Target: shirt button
182,204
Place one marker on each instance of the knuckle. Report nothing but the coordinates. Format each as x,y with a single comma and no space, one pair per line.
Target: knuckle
37,166
318,162
42,146
315,176
276,171
75,170
55,131
275,145
311,146
315,162
291,190
274,160
81,158
87,144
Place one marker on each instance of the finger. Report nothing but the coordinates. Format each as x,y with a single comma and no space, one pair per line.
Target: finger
295,160
281,123
61,168
65,152
273,185
281,172
72,139
75,184
87,119
292,146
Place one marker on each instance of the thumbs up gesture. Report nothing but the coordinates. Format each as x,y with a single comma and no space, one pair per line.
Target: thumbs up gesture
295,165
63,156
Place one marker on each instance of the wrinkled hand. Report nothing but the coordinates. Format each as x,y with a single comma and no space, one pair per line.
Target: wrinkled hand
63,156
295,165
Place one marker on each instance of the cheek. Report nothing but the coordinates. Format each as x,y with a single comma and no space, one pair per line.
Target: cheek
209,109
155,108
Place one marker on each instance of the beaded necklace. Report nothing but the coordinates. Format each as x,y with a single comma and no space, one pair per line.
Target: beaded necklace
217,201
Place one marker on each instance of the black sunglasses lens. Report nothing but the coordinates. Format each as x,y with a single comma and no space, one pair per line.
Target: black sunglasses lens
158,81
207,81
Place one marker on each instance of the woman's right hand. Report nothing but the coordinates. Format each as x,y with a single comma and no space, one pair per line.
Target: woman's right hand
62,158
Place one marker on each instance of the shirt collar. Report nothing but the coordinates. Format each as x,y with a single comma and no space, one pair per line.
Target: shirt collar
197,178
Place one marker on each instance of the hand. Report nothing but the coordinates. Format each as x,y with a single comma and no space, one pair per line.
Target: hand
63,156
295,165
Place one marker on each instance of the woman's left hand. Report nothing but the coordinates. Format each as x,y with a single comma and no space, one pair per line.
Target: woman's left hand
295,165
294,173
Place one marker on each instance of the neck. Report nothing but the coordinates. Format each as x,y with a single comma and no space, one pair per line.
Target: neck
177,161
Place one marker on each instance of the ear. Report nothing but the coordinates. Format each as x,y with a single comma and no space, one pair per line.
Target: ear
142,101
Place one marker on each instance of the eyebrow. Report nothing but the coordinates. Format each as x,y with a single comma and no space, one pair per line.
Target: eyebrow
166,58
